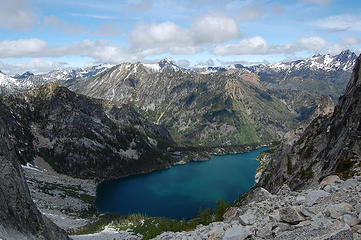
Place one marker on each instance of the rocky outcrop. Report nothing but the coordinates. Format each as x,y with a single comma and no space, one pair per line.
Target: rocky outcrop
85,137
324,108
329,145
19,217
330,210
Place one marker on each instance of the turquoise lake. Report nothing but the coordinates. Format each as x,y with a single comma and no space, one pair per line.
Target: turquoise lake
178,192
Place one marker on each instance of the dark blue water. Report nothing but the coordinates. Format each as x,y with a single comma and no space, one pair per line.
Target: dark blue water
178,192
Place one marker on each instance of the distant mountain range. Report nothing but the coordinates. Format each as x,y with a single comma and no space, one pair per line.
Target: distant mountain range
213,106
324,75
28,80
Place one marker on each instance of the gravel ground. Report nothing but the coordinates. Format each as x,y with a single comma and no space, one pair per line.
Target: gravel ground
64,200
61,198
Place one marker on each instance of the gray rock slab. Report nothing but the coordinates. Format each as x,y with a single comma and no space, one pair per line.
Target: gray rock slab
310,232
337,210
247,219
350,183
350,220
237,232
313,196
306,211
358,208
290,215
330,179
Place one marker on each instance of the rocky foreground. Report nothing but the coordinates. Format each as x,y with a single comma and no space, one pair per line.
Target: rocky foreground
67,201
331,210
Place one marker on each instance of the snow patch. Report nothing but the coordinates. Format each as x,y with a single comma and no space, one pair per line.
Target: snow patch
32,167
152,141
154,67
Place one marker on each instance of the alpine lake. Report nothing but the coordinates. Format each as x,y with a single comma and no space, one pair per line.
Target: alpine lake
180,191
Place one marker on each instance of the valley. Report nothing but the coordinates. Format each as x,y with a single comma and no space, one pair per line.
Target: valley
180,120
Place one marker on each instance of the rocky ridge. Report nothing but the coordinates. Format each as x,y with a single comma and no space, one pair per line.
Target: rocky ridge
330,210
325,108
84,137
329,145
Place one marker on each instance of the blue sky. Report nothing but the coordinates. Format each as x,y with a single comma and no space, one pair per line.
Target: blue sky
41,35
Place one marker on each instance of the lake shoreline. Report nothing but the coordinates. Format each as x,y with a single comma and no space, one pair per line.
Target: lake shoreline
86,212
215,175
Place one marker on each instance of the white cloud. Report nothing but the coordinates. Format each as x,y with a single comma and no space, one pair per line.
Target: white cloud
183,63
312,44
336,48
107,30
344,22
143,5
250,13
96,16
16,14
320,2
22,48
214,28
65,27
165,33
350,41
104,51
254,45
168,37
259,45
208,63
33,65
35,48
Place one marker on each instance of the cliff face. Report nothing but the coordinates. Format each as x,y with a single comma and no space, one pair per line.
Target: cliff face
19,217
85,137
329,145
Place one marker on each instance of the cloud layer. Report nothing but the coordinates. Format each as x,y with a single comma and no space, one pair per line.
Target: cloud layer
168,37
16,14
344,22
194,30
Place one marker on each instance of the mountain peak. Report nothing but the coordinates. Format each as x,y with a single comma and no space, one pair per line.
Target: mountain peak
24,75
166,61
346,54
316,55
167,65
